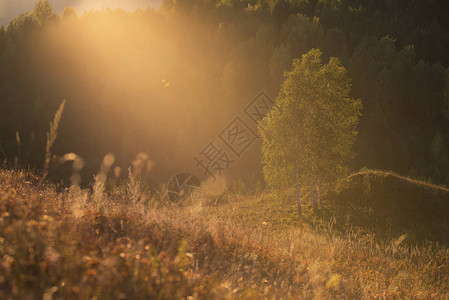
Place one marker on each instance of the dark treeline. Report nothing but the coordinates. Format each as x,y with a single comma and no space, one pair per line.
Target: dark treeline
167,81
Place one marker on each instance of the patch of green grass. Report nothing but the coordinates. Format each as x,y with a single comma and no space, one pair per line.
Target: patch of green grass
391,205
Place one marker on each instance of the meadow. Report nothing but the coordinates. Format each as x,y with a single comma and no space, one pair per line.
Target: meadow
231,244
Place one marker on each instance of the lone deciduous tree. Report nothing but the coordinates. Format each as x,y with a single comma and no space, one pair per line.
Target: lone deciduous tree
308,136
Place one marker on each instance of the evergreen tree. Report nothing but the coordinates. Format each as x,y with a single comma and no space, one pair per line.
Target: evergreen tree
2,39
279,62
335,44
445,102
69,13
438,155
302,33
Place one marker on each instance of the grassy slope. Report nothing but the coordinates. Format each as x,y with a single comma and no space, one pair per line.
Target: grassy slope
391,205
61,244
378,202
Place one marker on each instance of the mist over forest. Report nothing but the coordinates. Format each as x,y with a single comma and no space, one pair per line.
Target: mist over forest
224,149
10,9
166,82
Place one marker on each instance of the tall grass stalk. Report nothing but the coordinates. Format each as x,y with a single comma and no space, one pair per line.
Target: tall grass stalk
52,134
134,188
98,191
17,158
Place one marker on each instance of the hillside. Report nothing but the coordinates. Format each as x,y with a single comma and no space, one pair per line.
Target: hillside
123,75
374,202
391,205
66,245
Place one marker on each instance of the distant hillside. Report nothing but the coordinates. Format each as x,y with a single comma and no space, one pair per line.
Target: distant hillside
11,9
391,205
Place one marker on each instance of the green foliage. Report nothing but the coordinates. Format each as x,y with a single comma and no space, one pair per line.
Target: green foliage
445,102
302,33
69,13
397,92
43,11
280,62
233,50
312,127
390,205
280,10
438,155
245,74
335,45
168,8
2,39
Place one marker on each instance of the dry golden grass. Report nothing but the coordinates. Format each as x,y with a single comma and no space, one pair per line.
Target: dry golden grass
61,245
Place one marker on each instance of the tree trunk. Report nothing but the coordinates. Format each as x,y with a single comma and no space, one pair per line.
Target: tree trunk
313,194
298,192
320,202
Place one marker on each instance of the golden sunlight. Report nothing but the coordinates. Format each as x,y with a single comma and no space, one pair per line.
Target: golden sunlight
224,149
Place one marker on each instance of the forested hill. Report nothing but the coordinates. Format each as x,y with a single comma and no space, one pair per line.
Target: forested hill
423,24
10,9
127,75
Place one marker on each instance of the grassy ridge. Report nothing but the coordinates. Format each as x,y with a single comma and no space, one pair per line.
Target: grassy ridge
62,245
390,205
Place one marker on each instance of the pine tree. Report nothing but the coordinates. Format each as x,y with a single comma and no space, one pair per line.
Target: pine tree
2,39
69,13
438,155
280,61
308,136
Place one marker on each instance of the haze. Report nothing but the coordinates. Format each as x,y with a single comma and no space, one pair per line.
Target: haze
12,8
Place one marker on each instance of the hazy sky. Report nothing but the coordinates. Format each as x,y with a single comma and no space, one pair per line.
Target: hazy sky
12,8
